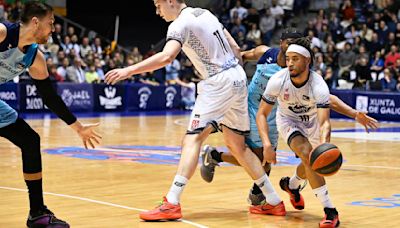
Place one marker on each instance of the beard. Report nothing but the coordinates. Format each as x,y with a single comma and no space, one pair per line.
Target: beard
295,75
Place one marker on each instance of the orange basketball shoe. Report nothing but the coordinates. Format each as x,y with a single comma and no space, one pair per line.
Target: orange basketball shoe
267,209
296,198
331,218
166,211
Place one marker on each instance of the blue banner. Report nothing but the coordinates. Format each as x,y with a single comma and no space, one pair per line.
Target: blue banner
108,97
78,97
147,97
29,99
347,97
383,106
9,94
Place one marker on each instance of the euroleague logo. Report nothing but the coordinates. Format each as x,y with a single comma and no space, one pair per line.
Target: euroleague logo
162,155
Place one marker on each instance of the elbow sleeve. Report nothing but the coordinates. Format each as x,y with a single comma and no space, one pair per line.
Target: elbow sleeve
53,101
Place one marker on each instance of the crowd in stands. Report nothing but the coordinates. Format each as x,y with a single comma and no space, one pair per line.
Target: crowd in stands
356,43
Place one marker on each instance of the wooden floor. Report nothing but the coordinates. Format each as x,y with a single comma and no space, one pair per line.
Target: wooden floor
111,193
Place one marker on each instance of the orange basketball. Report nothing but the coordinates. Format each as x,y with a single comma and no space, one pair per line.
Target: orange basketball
326,159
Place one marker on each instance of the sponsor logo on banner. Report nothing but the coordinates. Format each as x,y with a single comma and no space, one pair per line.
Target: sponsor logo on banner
8,96
375,105
110,101
362,103
78,97
170,93
144,95
33,102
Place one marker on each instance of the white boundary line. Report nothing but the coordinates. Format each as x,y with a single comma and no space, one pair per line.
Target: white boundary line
373,166
98,202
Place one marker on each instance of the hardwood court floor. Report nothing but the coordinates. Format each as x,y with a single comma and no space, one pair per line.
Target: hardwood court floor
110,193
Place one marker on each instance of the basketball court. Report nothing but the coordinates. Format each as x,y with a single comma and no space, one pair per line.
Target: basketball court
134,167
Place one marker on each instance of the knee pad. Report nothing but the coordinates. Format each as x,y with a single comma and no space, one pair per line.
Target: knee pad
30,148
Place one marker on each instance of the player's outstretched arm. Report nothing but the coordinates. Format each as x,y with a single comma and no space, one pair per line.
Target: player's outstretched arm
155,62
261,119
361,117
254,54
40,76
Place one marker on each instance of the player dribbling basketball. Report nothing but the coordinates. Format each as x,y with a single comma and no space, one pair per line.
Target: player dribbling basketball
303,121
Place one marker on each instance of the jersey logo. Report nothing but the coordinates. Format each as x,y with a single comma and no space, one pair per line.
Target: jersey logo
306,98
298,109
269,60
286,95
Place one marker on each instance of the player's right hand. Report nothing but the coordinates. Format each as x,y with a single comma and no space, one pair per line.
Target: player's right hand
269,155
367,121
116,75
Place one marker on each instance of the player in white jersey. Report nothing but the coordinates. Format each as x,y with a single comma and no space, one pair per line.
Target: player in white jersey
302,118
220,106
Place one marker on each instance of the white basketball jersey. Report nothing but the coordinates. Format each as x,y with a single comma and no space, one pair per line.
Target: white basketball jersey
297,103
203,41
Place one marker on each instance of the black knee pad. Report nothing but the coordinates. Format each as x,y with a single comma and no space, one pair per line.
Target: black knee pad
23,136
31,157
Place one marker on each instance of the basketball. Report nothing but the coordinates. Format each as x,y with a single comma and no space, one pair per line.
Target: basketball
326,159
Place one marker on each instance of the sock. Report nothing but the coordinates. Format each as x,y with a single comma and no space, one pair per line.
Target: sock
295,181
35,195
322,194
216,155
269,192
176,189
255,190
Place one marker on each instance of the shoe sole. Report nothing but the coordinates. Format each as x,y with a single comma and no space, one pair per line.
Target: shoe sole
267,213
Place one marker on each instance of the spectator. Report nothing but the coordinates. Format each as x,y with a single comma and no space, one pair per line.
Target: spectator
347,59
267,25
57,34
392,56
287,6
67,45
253,37
329,77
277,12
188,93
97,48
348,12
388,82
241,11
172,72
62,69
54,76
91,75
75,73
75,45
366,33
377,64
363,75
85,48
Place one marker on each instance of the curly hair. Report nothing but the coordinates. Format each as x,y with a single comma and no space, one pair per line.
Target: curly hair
306,43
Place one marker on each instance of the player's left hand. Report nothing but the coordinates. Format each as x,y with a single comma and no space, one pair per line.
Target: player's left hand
89,135
116,75
269,155
367,121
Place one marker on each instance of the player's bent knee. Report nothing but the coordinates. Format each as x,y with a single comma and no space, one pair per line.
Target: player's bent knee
31,157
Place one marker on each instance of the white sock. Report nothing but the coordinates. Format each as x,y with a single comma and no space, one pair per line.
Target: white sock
295,181
269,192
176,189
322,194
